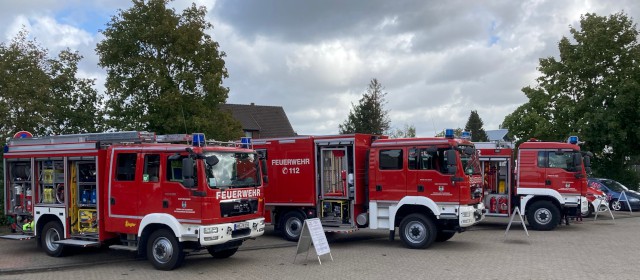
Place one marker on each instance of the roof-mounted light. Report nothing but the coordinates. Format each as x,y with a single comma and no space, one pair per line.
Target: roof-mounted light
245,142
448,133
573,140
198,139
466,135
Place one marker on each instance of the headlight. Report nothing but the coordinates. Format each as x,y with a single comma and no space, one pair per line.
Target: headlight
210,230
466,214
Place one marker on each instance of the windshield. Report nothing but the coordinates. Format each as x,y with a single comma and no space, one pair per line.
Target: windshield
233,170
469,158
614,185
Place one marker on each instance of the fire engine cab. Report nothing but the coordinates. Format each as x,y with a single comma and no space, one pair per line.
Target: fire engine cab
136,191
429,188
548,180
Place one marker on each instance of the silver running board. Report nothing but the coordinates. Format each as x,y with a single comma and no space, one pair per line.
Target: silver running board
123,247
80,243
17,236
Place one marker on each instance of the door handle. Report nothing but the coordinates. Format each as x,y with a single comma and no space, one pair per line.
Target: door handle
420,188
378,188
547,182
113,201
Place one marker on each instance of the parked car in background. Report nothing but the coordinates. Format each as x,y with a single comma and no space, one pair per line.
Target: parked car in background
595,197
613,190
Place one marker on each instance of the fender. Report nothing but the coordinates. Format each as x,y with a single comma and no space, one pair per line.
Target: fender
163,219
533,192
412,200
49,211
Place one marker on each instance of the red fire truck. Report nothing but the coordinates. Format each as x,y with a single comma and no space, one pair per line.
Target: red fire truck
427,187
134,191
548,180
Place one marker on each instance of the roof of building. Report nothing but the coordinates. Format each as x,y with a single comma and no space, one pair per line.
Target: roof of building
269,121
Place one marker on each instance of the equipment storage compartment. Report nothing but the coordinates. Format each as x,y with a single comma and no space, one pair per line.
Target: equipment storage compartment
86,184
335,211
20,189
52,181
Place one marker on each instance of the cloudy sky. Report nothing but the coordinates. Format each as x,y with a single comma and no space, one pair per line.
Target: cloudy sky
437,60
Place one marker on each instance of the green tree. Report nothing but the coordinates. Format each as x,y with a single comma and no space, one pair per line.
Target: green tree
164,73
43,95
592,92
474,125
409,131
369,116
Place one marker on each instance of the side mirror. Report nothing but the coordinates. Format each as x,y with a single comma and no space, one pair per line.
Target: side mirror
212,160
587,161
188,182
187,168
263,169
577,159
469,150
452,166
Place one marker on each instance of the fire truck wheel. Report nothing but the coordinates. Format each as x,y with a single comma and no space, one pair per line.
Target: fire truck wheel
444,236
222,254
417,231
543,215
292,225
164,251
53,232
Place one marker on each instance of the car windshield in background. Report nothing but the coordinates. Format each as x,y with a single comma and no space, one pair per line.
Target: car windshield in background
614,185
233,170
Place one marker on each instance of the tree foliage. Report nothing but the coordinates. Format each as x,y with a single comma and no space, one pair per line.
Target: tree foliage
475,126
591,91
43,95
408,131
164,73
369,116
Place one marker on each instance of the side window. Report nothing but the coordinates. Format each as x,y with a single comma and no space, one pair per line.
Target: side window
126,167
422,159
542,159
390,159
174,170
151,168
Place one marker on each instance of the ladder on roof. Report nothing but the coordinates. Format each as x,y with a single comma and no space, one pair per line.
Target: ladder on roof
103,138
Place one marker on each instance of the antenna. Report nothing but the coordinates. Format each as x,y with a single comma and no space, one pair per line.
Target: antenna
184,120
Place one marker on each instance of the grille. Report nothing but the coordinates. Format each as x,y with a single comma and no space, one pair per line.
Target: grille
238,207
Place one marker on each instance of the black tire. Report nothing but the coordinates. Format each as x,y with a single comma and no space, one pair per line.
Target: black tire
52,231
164,251
444,236
223,254
543,215
615,205
589,211
292,225
417,231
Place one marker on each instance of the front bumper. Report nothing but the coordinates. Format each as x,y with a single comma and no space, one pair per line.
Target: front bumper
471,214
222,233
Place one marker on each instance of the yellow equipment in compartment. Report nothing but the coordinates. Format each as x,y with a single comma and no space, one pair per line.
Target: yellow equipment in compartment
335,210
87,220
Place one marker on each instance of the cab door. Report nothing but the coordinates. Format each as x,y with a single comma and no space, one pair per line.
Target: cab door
426,175
390,182
123,196
560,173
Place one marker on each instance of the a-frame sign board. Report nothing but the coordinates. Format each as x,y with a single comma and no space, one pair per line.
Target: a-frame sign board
603,205
312,232
516,211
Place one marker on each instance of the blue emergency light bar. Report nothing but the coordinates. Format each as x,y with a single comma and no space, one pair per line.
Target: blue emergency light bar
448,133
573,140
245,142
198,139
466,135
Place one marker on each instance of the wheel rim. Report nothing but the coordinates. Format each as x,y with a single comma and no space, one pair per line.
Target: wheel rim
415,232
51,236
542,216
162,250
616,205
293,226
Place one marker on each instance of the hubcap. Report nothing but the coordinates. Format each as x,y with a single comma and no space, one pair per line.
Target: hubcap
616,205
162,250
415,232
543,216
293,227
51,236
